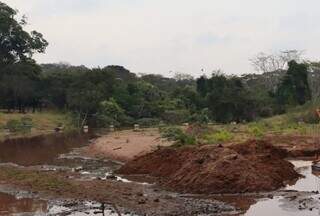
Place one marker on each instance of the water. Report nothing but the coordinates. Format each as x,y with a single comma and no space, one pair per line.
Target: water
56,152
277,207
302,202
10,205
39,150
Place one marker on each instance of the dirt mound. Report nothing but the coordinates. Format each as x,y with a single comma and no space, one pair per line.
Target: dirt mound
249,167
296,145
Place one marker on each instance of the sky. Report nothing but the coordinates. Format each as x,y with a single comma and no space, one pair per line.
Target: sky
169,36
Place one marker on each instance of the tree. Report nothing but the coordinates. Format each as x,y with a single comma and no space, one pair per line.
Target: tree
294,88
110,113
264,62
19,86
17,44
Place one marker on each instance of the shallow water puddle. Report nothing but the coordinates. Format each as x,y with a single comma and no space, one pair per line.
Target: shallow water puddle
10,205
299,203
277,207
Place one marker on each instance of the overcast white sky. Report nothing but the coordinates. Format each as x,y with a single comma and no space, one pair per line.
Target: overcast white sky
159,36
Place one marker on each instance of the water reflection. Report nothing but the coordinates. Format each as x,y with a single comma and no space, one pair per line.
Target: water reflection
39,150
10,205
300,203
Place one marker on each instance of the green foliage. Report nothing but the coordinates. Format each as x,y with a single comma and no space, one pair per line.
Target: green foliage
256,131
178,136
114,95
201,117
176,116
220,136
110,113
148,122
16,44
294,88
23,125
226,98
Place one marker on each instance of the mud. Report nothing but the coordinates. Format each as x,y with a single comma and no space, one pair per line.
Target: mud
67,182
296,145
254,166
82,179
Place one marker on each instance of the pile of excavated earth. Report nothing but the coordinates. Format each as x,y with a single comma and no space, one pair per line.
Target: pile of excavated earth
253,166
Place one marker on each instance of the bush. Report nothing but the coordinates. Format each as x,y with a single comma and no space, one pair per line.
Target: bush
148,122
218,137
23,125
200,117
175,116
178,135
256,131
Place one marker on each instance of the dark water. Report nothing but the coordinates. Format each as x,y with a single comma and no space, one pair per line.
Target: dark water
39,150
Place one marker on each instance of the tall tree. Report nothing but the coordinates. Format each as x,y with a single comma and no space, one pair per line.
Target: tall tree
294,88
16,44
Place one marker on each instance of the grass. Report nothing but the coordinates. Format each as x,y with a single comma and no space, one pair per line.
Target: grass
34,180
43,122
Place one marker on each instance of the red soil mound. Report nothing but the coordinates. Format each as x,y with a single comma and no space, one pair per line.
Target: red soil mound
249,167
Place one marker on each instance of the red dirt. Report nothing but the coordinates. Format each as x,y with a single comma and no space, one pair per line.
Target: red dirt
296,145
253,166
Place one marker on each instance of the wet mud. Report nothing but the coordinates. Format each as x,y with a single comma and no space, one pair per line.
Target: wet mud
94,181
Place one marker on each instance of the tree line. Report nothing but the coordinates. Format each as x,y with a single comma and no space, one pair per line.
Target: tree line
114,95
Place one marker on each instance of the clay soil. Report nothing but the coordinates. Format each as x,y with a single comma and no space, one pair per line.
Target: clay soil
296,145
253,166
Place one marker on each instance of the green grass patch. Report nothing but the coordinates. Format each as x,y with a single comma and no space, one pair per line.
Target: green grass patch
220,136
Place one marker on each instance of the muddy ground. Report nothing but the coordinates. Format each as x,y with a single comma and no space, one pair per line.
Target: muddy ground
72,177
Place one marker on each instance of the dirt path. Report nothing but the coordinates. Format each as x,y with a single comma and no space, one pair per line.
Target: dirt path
126,145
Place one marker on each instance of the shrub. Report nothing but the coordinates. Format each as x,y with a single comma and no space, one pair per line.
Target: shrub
218,137
148,122
175,116
256,131
178,135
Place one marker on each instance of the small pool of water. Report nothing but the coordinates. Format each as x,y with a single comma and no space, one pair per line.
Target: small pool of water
10,205
302,202
41,149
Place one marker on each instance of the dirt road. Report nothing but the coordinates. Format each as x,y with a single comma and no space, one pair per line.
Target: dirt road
126,145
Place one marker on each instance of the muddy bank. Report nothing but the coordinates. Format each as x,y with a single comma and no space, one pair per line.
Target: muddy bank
128,197
42,149
252,166
296,145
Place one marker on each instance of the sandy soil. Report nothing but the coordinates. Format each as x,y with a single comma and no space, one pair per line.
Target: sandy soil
126,145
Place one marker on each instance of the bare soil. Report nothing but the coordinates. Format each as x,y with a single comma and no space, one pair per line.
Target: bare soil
126,145
296,145
253,166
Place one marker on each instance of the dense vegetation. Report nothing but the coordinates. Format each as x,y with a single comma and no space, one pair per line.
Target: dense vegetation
114,95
